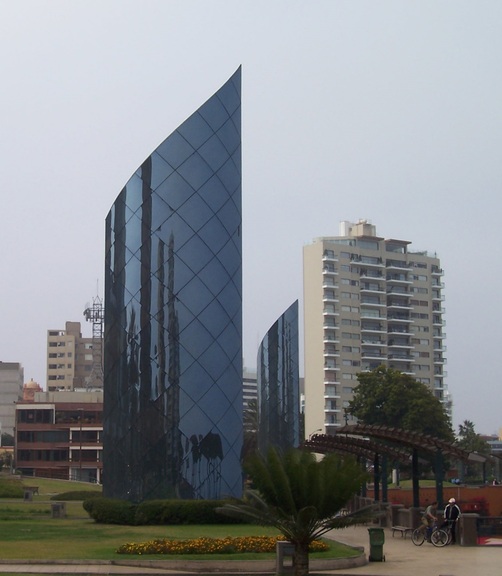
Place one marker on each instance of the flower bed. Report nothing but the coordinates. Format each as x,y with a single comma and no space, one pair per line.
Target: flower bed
227,545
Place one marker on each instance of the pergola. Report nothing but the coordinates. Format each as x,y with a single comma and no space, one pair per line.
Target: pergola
379,443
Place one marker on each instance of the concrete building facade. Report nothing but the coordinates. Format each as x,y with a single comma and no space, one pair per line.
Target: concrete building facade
368,301
11,391
69,359
59,435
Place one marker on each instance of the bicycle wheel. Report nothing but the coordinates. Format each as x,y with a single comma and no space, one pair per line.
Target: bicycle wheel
418,537
439,538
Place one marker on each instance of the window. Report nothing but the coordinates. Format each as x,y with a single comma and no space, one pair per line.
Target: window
348,390
367,244
330,390
350,336
88,357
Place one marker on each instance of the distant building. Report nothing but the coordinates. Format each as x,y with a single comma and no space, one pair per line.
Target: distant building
11,391
69,359
30,389
368,301
249,389
59,435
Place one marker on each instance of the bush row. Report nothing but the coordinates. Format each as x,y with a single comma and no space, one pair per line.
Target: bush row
77,495
228,545
156,512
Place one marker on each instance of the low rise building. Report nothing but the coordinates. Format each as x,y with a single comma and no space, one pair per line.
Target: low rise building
59,435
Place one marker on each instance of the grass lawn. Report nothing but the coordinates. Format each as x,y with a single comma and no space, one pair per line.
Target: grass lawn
28,531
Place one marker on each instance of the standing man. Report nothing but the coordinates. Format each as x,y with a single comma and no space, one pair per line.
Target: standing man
451,516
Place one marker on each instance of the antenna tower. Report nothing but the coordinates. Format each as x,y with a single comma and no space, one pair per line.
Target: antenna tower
94,314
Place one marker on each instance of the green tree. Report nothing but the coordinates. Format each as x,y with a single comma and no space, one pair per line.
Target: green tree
7,439
390,398
301,496
468,439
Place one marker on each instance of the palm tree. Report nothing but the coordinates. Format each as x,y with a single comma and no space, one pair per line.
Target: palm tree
301,496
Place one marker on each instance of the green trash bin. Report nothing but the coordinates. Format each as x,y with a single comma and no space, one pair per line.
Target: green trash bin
377,539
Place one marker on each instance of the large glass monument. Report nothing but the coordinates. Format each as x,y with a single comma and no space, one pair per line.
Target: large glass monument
173,315
279,384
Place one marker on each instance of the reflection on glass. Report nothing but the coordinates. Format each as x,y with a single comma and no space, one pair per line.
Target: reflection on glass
173,315
278,384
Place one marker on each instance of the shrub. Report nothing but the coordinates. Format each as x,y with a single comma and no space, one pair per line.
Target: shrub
156,512
11,488
77,495
110,511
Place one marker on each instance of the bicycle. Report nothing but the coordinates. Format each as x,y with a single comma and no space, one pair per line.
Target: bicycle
438,537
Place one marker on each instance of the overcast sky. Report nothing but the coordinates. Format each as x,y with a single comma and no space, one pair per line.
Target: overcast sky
385,110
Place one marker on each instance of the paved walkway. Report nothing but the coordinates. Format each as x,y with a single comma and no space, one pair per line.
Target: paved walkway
402,559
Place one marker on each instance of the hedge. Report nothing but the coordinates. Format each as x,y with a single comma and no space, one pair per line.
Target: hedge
156,512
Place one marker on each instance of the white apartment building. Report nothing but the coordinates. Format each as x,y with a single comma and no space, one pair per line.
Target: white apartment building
69,359
368,301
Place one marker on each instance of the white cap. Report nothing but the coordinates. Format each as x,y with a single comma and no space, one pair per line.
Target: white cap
451,500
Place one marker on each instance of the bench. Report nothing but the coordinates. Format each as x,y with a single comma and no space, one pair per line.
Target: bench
32,489
402,529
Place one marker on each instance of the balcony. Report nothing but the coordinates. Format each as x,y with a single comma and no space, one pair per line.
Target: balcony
371,274
329,271
373,355
399,318
329,282
371,314
400,344
398,279
372,288
330,366
332,340
401,357
331,353
366,342
376,328
398,305
368,261
401,330
437,298
328,312
397,265
370,302
329,256
329,298
436,271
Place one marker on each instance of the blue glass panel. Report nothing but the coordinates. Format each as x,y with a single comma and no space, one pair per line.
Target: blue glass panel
160,170
214,113
195,130
175,150
196,212
195,171
214,153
